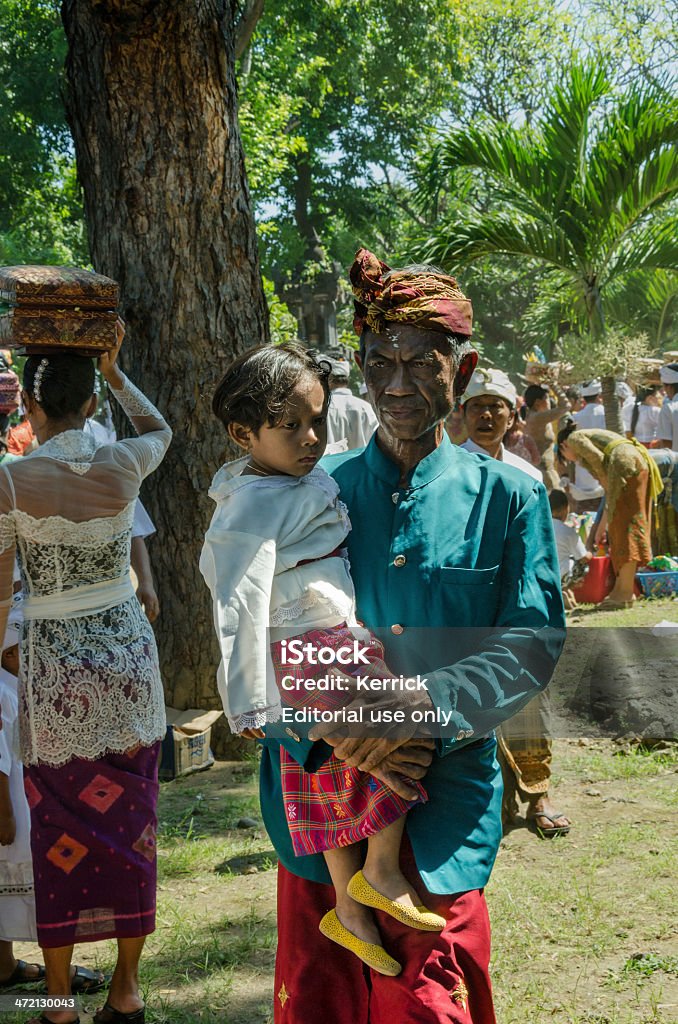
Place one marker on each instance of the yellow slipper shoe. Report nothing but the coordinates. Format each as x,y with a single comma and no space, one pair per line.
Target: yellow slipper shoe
419,917
374,956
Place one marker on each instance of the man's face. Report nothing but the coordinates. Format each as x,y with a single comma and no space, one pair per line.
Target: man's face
487,417
410,375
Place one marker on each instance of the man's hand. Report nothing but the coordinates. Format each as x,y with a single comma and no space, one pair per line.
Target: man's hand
409,762
385,723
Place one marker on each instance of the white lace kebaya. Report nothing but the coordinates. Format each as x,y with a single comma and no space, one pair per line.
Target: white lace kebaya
89,681
262,530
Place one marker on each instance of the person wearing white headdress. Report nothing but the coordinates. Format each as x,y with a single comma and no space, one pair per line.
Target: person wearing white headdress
489,405
349,419
667,430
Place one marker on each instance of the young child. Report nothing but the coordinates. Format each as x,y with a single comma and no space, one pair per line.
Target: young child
273,561
17,905
573,558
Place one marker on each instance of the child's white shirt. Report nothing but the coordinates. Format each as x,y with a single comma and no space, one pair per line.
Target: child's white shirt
261,530
569,545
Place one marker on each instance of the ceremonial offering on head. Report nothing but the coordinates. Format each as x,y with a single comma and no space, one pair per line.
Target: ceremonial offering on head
648,371
57,309
546,373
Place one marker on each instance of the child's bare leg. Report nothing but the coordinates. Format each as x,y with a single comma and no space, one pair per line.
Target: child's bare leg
382,865
342,865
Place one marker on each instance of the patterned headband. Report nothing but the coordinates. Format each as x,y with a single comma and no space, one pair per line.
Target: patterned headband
37,380
423,298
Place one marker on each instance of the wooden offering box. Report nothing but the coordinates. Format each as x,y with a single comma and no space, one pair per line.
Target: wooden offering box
57,309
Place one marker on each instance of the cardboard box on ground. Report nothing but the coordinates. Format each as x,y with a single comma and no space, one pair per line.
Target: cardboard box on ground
186,747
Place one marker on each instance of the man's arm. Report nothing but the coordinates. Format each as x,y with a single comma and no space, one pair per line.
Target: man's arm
513,662
517,658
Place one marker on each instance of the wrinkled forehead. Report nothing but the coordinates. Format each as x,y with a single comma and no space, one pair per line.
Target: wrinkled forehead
409,342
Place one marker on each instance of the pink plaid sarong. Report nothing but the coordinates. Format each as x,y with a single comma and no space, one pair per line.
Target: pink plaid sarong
336,805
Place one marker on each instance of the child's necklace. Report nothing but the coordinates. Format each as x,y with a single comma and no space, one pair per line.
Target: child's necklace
256,471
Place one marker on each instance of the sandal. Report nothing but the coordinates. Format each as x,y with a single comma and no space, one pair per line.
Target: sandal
42,1019
109,1015
17,977
86,982
555,830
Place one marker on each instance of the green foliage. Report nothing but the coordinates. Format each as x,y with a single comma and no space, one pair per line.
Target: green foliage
40,206
581,192
282,323
336,99
614,354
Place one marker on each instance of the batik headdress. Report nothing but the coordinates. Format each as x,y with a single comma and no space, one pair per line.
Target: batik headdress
426,299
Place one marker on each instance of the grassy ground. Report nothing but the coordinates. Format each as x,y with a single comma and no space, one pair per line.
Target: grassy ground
584,927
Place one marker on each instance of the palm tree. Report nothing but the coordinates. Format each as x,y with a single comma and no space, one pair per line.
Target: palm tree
586,191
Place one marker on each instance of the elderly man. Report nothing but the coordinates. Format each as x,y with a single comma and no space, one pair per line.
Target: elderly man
441,538
667,429
489,406
525,745
349,419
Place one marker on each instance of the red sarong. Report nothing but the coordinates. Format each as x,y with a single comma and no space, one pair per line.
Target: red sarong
337,805
445,977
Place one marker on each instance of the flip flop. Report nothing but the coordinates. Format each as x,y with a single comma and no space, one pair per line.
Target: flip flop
85,981
17,976
109,1015
555,830
42,1019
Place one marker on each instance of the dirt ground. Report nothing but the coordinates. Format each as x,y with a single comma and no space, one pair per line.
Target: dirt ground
584,926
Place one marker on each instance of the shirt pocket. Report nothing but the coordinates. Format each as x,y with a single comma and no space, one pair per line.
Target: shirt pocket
468,577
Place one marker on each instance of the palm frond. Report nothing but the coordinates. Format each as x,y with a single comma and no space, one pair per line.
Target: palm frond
642,126
486,234
564,127
654,245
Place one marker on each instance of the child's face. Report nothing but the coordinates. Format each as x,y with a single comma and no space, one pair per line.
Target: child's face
10,660
296,443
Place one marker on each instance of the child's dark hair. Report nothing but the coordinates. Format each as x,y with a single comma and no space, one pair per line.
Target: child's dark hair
257,385
558,501
66,381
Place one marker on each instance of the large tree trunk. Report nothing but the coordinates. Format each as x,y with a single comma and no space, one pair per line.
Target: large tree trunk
151,100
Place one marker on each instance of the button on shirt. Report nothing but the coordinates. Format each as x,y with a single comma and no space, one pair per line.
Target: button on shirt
480,558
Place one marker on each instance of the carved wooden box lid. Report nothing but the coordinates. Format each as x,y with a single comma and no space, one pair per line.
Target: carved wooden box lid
57,287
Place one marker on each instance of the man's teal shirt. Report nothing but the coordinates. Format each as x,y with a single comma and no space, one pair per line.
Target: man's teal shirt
462,563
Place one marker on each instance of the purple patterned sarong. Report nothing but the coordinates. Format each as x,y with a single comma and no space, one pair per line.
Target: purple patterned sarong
93,827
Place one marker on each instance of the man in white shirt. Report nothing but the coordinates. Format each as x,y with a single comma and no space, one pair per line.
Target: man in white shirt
489,404
667,430
349,418
586,491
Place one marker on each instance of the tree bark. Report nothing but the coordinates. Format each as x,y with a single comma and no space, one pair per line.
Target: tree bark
151,100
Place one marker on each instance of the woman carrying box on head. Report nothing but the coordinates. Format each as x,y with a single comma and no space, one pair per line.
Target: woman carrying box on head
91,708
